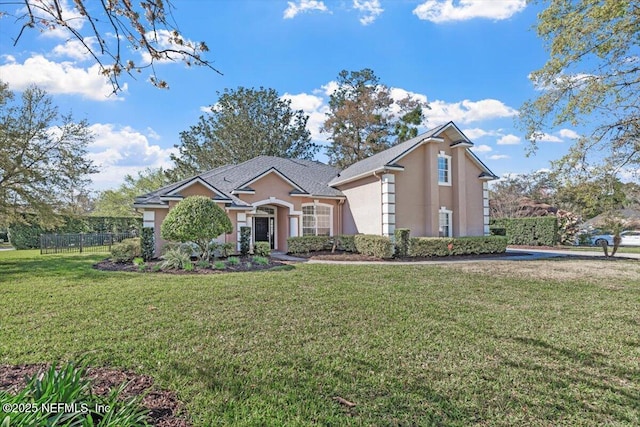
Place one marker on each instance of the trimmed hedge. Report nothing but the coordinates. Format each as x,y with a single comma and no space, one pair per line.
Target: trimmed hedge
245,240
373,245
262,249
401,236
27,235
126,250
444,246
345,242
147,243
538,231
383,247
306,244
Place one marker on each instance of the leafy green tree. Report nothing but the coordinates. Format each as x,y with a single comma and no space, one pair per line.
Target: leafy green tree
361,119
119,202
243,124
407,126
591,197
113,33
196,219
43,163
591,80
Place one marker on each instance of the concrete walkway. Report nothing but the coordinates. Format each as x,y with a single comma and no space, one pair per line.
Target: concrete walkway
516,255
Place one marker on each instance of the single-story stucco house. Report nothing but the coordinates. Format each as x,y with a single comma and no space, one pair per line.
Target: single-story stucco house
432,184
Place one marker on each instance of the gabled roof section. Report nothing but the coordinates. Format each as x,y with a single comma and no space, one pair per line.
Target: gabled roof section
219,195
307,177
296,188
388,159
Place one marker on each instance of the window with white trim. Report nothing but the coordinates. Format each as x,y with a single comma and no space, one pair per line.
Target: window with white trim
316,220
445,228
444,169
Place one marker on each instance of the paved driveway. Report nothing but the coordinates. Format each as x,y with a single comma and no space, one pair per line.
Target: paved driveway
516,255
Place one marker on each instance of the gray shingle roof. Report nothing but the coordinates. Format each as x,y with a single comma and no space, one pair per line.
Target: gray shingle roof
384,158
310,176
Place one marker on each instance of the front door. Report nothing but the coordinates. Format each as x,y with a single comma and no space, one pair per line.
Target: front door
263,229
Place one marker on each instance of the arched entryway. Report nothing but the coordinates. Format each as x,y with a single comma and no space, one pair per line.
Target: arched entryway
265,224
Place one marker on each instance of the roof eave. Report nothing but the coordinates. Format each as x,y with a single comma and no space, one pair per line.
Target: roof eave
150,206
380,169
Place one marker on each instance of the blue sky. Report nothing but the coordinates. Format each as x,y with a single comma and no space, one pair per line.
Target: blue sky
470,59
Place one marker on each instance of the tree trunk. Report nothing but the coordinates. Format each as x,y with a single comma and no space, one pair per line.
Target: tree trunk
616,243
605,249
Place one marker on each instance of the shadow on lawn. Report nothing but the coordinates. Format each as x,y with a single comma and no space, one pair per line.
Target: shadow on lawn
306,391
575,377
76,266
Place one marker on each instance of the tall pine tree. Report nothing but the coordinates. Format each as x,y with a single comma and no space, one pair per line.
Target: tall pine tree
243,124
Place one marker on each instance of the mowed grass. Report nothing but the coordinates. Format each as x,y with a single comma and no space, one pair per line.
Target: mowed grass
621,249
506,343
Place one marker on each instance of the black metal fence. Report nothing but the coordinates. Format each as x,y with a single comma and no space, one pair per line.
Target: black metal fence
81,242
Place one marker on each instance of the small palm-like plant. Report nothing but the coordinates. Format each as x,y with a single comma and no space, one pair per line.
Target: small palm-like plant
62,397
176,258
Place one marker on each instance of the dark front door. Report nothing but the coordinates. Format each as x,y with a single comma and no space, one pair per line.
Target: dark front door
263,229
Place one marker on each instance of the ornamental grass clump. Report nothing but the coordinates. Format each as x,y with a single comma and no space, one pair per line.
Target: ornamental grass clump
176,258
63,397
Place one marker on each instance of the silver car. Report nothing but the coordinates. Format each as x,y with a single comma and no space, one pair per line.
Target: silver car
628,238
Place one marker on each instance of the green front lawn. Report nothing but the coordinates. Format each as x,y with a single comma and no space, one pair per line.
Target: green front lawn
621,249
417,345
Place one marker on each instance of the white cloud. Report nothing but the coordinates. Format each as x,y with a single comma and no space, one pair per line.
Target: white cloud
447,10
58,78
163,39
70,15
483,148
509,140
465,112
328,89
313,106
398,94
545,137
562,80
568,133
74,49
629,175
498,157
152,134
304,6
475,133
304,101
370,9
118,151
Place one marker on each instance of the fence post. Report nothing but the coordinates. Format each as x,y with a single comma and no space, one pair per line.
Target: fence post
41,242
81,235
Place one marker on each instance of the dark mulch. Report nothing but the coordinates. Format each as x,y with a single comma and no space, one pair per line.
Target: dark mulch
350,256
150,266
163,405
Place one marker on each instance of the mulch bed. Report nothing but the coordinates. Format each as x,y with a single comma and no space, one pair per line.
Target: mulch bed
109,265
163,405
350,256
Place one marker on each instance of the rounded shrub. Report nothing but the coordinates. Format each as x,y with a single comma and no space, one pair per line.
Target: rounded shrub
126,250
196,219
